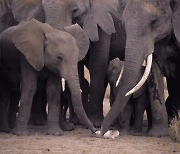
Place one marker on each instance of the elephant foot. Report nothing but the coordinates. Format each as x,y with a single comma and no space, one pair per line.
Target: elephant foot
96,120
109,134
20,132
158,132
54,131
67,126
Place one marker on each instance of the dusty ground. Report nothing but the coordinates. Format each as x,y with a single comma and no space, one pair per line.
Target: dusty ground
81,141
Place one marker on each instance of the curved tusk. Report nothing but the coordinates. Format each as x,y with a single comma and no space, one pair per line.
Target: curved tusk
63,84
120,76
144,77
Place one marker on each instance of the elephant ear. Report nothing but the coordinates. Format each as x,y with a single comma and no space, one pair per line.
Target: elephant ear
100,15
25,10
176,18
29,40
81,39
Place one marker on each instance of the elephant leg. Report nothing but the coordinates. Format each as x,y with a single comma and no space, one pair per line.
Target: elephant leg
28,89
156,92
37,117
98,64
13,107
53,98
149,116
125,117
173,100
139,107
4,100
64,123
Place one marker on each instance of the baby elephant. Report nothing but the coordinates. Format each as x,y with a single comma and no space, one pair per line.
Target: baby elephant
132,116
38,49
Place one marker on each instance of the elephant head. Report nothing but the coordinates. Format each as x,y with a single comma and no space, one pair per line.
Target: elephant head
146,22
59,51
57,13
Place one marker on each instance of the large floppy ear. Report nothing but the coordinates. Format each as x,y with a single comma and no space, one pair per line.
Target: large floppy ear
24,10
29,40
100,15
175,4
81,39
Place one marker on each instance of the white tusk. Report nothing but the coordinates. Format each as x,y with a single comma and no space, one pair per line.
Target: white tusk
81,90
144,77
120,76
63,84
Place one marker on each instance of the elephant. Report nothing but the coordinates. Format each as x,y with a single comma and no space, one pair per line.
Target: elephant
131,119
139,20
57,13
168,57
41,49
158,18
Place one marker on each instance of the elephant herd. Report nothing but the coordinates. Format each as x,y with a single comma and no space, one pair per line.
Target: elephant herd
130,44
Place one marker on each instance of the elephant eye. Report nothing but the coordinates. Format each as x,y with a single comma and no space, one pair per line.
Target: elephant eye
153,24
59,57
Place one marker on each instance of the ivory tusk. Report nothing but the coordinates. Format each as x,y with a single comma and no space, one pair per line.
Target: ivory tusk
63,84
120,76
144,77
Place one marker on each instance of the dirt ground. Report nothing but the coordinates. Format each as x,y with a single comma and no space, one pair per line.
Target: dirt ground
81,141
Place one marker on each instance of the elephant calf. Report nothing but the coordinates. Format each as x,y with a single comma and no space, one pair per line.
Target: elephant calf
133,113
40,49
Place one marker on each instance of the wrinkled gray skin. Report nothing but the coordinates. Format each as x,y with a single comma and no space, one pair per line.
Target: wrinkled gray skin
57,50
145,23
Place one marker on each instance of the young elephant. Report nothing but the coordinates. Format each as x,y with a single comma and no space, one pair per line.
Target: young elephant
132,115
41,50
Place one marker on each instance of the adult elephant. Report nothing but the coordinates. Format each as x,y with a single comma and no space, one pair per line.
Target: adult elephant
145,23
39,48
149,21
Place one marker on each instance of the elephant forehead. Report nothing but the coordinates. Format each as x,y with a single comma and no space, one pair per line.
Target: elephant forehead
63,37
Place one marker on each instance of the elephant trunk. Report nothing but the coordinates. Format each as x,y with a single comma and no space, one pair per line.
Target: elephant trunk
57,13
135,53
74,86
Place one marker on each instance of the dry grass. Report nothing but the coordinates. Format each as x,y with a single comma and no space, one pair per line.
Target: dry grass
175,129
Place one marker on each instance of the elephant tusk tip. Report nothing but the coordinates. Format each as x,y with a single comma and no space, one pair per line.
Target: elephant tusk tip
127,94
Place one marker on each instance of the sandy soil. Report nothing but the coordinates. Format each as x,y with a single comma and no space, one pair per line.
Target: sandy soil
81,141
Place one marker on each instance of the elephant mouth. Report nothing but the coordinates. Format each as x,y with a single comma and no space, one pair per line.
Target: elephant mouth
148,64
